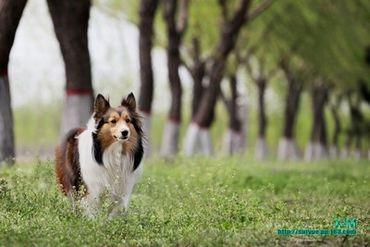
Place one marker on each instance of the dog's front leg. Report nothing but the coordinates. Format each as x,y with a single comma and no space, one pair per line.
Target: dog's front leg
126,200
116,206
91,205
72,197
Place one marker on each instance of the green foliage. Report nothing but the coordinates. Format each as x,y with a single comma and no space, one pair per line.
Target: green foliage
128,9
192,202
327,36
204,23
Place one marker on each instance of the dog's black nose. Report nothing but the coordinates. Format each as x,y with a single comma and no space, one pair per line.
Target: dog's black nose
124,133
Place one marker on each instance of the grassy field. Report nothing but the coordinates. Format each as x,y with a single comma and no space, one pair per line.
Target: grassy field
192,202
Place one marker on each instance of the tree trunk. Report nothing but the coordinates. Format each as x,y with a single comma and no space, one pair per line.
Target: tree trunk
288,148
234,122
171,134
357,121
261,147
234,139
198,88
147,14
10,15
70,19
197,141
317,148
262,119
337,129
7,152
197,72
229,34
347,145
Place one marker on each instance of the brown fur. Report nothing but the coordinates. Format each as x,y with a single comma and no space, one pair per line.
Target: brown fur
109,132
67,163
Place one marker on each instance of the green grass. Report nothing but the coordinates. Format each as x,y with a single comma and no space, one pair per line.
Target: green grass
194,202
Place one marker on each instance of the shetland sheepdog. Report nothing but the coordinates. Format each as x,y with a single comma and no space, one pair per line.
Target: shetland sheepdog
105,157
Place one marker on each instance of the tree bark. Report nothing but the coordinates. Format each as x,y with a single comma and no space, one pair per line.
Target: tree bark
337,129
292,105
70,19
197,72
234,139
10,15
357,121
174,37
288,148
319,97
148,9
317,147
198,88
7,152
147,13
175,31
234,122
347,145
262,119
261,147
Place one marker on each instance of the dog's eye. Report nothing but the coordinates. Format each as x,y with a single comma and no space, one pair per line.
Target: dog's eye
128,120
113,121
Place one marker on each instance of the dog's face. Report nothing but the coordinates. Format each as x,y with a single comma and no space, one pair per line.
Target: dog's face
119,124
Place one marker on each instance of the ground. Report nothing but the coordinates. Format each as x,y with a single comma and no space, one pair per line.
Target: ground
192,202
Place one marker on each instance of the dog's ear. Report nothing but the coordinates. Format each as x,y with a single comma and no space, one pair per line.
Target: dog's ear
129,102
101,106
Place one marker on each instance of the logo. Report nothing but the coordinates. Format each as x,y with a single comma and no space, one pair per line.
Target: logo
341,226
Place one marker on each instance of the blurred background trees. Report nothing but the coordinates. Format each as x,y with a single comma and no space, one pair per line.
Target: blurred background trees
10,14
308,59
70,19
146,32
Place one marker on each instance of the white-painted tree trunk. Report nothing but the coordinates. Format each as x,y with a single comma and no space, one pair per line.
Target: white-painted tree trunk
288,149
261,151
170,139
197,140
333,152
357,154
7,152
147,126
206,142
234,142
77,111
192,140
344,154
315,151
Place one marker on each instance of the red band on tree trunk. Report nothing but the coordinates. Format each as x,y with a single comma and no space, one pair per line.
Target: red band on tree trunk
174,120
78,91
200,125
236,132
4,72
145,112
